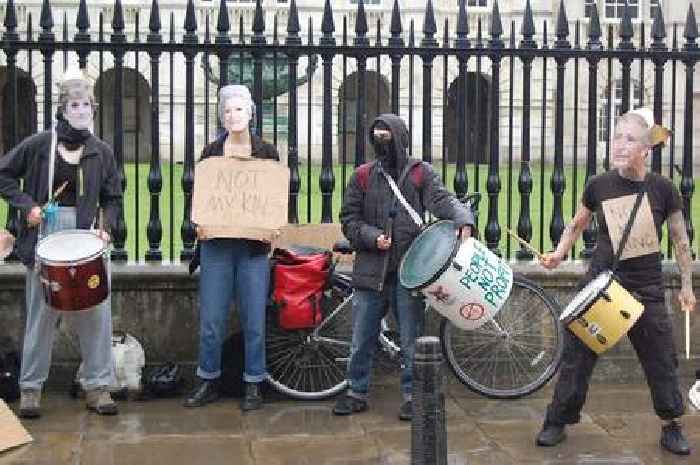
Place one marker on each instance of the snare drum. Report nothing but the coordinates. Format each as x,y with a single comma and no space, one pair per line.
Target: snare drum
73,268
601,313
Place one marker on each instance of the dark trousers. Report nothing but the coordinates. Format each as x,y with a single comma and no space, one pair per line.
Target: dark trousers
652,339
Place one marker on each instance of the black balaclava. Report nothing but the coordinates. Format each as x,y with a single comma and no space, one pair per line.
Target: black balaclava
385,150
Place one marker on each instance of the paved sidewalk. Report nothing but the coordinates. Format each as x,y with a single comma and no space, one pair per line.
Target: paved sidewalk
618,429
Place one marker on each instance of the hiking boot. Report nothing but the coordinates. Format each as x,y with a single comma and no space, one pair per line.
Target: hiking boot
252,400
29,405
205,392
98,400
551,435
672,439
406,411
347,405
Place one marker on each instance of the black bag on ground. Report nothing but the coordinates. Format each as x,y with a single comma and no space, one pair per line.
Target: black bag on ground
164,381
9,374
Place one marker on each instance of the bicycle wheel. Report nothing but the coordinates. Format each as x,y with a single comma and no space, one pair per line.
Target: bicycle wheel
311,364
516,354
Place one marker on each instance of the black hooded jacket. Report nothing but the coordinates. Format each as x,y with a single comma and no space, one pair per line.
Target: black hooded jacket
367,206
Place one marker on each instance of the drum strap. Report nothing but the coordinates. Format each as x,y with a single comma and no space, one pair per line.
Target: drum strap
399,196
628,228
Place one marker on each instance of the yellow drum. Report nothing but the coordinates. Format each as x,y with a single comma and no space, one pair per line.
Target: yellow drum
601,313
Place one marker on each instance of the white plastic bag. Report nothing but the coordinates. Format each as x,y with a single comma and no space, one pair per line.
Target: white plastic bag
128,360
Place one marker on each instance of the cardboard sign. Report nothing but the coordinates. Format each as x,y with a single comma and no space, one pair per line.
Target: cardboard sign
642,239
12,433
240,198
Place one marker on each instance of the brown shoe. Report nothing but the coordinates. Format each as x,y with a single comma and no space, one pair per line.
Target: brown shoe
99,400
29,405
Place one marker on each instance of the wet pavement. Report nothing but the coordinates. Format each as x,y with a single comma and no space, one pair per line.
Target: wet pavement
618,428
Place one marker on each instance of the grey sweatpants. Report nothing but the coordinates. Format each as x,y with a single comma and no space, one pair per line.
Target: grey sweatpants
93,327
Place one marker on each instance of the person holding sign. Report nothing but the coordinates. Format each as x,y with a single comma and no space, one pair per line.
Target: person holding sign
78,173
610,196
231,267
381,229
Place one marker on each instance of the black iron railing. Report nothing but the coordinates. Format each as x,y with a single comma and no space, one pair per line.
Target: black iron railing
493,113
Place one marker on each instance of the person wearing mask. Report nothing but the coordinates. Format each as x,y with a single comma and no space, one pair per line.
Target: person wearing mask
639,271
380,230
232,268
85,165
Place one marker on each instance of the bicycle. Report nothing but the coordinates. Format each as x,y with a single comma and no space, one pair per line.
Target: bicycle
511,356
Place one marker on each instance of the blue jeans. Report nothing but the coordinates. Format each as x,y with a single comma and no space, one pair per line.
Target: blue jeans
229,271
368,309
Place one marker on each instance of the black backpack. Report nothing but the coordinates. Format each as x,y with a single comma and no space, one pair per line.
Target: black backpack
9,374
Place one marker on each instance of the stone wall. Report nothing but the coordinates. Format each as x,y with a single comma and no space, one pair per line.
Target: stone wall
159,305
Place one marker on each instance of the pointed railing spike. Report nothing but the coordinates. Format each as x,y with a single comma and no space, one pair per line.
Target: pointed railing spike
361,25
82,23
396,28
10,22
258,24
118,23
462,26
46,21
658,31
327,25
562,28
626,28
293,26
528,28
594,30
429,26
691,30
496,28
223,24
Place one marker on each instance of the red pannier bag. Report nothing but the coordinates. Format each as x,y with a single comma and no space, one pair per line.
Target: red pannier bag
299,278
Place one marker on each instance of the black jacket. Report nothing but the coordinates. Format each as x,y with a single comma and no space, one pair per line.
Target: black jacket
29,162
365,211
259,149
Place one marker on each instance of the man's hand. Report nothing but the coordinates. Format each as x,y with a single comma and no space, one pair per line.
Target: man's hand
550,260
686,297
34,216
383,242
104,235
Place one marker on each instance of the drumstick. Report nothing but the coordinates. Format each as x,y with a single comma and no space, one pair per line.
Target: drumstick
687,334
58,192
525,244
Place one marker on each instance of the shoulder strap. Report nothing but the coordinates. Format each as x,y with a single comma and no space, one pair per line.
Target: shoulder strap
628,228
363,172
399,196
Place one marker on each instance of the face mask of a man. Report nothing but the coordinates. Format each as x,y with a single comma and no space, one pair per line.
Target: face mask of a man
382,142
237,114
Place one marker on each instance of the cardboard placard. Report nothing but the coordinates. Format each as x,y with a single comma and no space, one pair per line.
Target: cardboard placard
642,239
12,433
237,198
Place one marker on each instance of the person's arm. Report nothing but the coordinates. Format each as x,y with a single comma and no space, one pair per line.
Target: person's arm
571,233
443,204
13,167
110,190
681,245
362,236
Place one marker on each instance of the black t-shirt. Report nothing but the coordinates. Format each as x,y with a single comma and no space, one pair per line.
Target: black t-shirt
65,172
611,197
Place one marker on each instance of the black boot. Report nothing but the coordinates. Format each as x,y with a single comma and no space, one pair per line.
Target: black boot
551,435
406,411
252,399
672,439
205,392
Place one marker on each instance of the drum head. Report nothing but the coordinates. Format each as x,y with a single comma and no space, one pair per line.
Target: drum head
428,255
585,297
69,246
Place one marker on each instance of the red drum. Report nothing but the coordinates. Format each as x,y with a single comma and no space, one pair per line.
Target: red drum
73,267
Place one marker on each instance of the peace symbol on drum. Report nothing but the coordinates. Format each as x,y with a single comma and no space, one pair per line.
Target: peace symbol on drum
472,311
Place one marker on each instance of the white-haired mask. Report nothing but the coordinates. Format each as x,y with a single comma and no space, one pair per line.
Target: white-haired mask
236,108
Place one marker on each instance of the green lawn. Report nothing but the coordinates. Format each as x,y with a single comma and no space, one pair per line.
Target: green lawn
137,216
